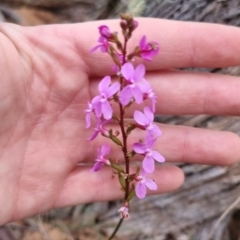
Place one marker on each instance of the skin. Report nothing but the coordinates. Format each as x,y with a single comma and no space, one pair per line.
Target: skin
47,76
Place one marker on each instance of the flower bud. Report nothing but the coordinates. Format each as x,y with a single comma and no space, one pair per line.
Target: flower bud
124,212
104,32
123,24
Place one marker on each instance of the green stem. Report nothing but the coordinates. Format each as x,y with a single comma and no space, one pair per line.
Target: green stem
116,229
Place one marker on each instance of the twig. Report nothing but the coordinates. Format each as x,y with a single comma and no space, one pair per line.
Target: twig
226,212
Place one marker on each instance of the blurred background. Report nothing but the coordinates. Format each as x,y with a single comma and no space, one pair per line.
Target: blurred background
186,214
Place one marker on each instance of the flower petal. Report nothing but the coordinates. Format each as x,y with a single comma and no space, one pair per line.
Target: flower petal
146,56
104,31
143,42
139,72
107,110
98,109
96,100
149,140
103,85
125,96
151,184
140,190
148,164
105,149
158,157
153,105
143,173
138,95
94,135
88,120
127,71
144,85
139,148
112,89
140,118
97,166
149,114
95,48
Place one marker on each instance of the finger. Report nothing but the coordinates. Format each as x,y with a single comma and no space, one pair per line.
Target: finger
182,144
180,92
201,146
182,44
83,186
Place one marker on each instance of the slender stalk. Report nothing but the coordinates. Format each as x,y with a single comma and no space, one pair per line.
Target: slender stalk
116,229
124,138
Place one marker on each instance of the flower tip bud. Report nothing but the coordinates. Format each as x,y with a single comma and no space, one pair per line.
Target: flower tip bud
105,32
123,24
127,17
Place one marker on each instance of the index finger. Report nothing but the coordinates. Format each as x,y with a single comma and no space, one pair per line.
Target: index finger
182,44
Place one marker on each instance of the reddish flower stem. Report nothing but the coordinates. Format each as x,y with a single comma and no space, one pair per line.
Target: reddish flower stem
124,139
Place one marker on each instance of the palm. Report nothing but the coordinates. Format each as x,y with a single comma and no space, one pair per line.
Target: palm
45,140
48,78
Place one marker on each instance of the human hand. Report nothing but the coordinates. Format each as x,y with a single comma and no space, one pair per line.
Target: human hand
47,76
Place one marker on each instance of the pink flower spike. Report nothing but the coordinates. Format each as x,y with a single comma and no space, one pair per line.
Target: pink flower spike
124,212
146,120
99,129
148,50
143,183
149,154
134,80
100,102
101,160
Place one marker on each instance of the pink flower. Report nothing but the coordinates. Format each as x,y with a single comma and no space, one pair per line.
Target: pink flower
104,45
101,160
146,120
99,129
143,183
124,212
105,32
150,155
100,103
148,50
134,80
105,36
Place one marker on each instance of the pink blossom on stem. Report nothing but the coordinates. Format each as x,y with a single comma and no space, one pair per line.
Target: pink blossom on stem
134,80
143,183
149,154
100,103
146,121
104,45
101,160
99,129
105,32
124,212
148,50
